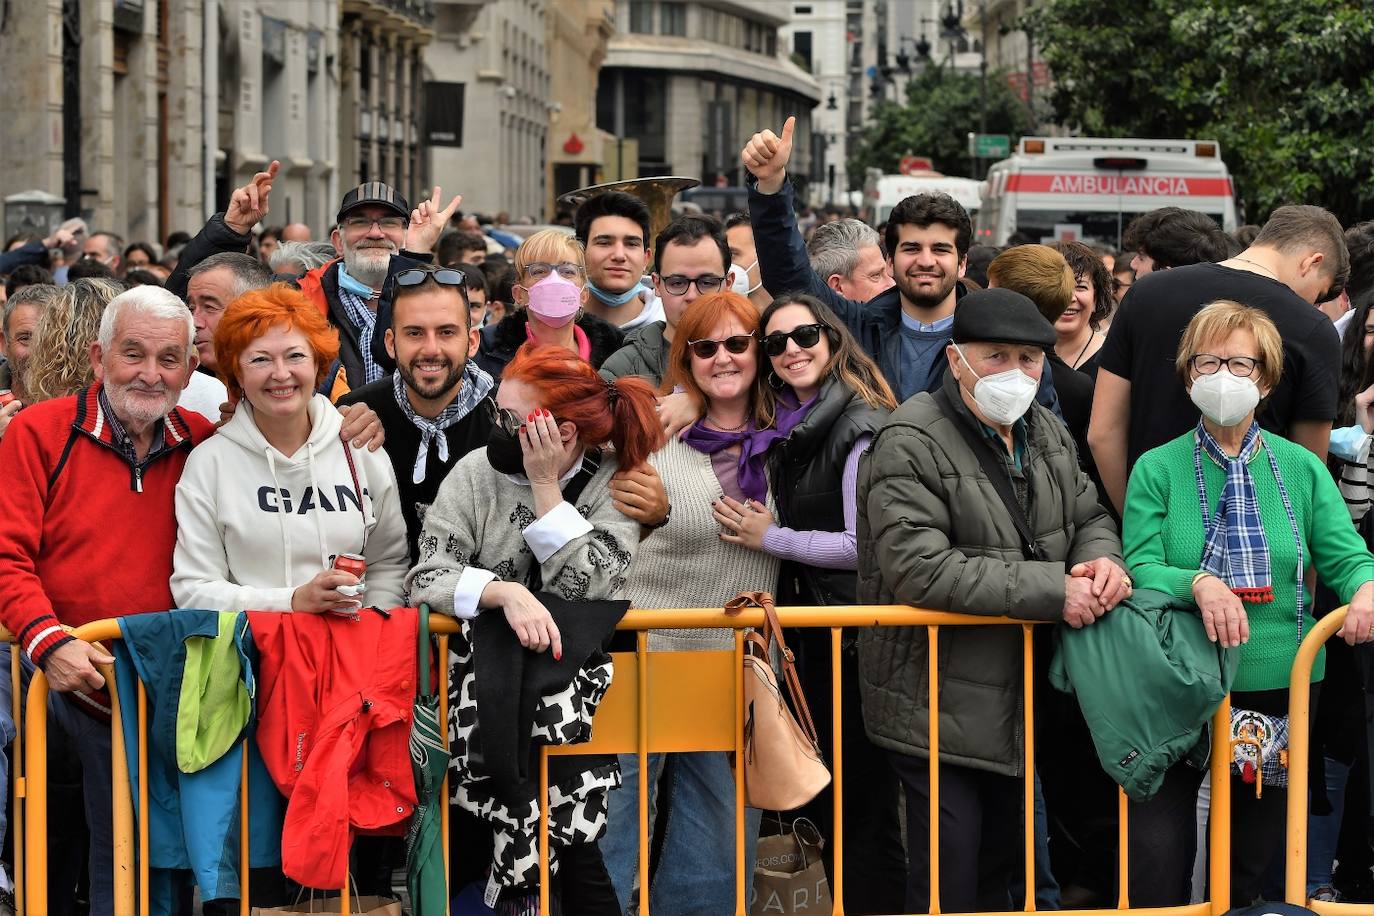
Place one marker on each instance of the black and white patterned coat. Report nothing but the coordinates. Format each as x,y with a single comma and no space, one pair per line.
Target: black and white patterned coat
577,800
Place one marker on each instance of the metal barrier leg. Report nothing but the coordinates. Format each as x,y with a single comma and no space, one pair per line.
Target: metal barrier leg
934,705
837,777
122,815
143,884
18,781
642,661
1123,853
741,896
36,792
1219,820
1028,810
245,861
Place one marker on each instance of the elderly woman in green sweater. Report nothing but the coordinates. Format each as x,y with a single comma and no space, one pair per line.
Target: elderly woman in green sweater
1234,517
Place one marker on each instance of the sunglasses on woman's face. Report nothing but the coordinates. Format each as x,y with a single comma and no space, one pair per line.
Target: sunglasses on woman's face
504,418
706,347
806,336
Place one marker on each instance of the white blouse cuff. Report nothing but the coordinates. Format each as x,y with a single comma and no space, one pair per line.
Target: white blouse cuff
547,535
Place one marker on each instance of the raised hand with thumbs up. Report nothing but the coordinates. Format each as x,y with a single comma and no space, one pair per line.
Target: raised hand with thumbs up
766,155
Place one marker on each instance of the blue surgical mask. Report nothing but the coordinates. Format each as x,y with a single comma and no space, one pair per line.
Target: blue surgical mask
616,300
354,286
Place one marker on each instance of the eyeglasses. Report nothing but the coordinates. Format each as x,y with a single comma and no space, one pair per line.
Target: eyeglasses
503,418
706,348
384,223
1239,366
541,269
707,283
806,336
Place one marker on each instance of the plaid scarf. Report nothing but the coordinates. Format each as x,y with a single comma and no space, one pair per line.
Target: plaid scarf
365,320
475,386
1236,551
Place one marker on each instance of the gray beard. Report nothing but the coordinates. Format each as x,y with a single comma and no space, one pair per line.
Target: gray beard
374,275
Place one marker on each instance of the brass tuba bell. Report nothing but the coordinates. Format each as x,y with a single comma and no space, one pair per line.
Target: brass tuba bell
657,194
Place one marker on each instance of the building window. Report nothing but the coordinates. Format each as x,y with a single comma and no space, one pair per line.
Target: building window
672,19
801,10
641,17
801,49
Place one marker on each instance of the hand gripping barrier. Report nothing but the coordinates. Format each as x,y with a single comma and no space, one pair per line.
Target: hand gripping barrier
659,702
1299,743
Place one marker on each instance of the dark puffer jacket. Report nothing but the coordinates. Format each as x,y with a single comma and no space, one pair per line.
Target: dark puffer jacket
645,354
501,340
934,534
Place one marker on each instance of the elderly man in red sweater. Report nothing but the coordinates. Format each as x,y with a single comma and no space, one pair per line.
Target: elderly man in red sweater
90,525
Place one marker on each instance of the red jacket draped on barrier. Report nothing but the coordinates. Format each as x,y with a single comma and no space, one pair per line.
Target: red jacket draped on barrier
335,703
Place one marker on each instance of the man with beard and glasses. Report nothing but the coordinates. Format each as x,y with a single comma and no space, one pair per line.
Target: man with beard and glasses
374,224
430,406
84,473
905,328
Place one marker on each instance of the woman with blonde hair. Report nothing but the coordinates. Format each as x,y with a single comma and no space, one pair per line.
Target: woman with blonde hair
59,362
1235,518
550,290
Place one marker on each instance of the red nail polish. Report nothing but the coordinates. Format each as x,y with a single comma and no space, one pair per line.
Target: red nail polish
530,418
558,656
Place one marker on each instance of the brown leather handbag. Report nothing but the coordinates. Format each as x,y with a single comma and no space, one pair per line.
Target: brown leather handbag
783,767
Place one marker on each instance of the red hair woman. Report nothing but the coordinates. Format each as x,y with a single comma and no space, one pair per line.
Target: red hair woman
533,513
264,505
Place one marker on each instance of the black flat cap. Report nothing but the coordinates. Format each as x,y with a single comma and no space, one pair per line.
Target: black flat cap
1000,316
374,192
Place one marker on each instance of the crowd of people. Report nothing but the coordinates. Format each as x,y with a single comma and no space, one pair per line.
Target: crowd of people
1166,449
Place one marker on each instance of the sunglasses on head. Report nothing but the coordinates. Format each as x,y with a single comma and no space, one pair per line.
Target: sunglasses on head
806,336
706,347
448,276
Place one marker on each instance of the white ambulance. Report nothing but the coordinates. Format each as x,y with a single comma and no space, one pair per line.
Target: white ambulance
1089,189
883,192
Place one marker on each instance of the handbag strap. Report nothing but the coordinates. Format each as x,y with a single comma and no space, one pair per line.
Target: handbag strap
996,474
772,632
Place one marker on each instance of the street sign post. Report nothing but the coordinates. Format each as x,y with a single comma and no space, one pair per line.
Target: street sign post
991,146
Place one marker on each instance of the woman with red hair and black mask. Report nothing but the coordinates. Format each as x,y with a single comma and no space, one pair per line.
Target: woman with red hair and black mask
534,512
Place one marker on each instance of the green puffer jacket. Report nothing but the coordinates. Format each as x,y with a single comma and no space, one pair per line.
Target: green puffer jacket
645,353
934,534
1148,680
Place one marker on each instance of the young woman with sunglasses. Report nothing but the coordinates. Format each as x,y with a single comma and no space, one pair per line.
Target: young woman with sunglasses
501,530
549,291
817,369
687,563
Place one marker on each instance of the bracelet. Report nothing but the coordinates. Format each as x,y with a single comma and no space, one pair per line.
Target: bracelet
1201,575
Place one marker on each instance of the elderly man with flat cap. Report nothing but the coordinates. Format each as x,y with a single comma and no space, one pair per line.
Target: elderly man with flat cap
971,500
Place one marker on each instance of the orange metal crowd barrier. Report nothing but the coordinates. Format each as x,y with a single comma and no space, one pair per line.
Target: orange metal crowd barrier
1299,744
659,702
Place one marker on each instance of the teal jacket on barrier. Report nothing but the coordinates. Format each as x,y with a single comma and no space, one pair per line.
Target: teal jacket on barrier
1148,681
193,818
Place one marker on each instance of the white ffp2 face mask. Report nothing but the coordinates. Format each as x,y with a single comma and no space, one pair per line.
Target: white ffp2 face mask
739,280
1004,397
1223,398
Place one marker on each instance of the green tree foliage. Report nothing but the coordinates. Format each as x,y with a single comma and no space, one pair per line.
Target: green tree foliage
941,108
1286,87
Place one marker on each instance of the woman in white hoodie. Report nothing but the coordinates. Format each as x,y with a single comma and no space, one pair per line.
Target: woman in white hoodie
265,504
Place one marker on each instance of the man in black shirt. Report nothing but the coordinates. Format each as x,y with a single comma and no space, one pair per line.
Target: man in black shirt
431,406
1297,260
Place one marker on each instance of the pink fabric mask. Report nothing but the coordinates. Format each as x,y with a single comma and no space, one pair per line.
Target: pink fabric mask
555,299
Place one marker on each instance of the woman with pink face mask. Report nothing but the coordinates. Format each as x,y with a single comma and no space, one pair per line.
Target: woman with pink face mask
549,291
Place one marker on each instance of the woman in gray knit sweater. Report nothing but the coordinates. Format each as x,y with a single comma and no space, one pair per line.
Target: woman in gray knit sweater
501,516
687,564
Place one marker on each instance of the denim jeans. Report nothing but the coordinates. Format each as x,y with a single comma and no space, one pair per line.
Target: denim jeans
1324,831
695,875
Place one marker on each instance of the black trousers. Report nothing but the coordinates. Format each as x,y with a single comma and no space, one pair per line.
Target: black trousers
582,886
874,860
981,830
1163,830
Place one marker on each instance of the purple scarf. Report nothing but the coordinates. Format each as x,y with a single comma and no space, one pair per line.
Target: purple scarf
753,444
